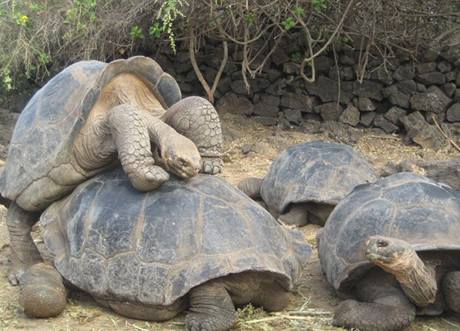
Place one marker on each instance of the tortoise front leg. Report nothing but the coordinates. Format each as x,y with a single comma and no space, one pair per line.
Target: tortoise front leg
211,308
129,131
196,118
24,253
382,306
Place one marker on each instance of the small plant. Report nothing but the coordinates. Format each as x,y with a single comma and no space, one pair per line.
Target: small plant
299,11
136,32
288,23
319,5
168,13
7,81
155,30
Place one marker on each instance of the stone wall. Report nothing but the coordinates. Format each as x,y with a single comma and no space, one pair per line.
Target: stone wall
398,95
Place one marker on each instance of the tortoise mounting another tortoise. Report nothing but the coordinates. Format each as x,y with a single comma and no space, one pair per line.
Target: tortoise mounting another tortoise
75,126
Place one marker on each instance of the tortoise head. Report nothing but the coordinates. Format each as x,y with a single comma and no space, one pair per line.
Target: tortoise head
387,252
181,157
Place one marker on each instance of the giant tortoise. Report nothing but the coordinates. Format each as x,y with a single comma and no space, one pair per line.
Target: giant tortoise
75,125
307,180
200,245
394,246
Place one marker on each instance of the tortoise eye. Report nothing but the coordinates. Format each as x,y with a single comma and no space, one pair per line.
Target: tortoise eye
382,244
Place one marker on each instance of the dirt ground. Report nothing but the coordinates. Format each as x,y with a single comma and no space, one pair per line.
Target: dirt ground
249,150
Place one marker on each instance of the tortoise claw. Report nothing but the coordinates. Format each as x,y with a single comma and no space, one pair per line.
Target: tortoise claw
212,165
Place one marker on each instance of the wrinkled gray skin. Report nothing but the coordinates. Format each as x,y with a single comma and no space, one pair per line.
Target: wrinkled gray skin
200,245
88,117
393,248
307,180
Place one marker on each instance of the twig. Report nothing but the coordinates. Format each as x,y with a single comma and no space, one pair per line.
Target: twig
336,30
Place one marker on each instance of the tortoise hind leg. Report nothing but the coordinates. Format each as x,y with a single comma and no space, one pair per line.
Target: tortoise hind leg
24,253
271,296
211,308
451,290
251,187
42,292
383,306
297,215
196,118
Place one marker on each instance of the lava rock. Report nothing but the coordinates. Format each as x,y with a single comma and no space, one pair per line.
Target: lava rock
324,88
404,72
453,113
407,87
267,105
431,78
329,111
350,115
449,89
368,89
297,101
423,68
366,104
394,115
384,124
367,118
433,100
236,104
422,133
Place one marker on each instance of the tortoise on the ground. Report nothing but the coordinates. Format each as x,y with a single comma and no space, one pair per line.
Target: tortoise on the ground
200,245
307,180
75,125
394,246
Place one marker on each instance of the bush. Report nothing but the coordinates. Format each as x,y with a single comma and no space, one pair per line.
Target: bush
42,36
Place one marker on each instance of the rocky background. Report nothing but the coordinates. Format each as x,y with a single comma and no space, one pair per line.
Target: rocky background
419,98
396,95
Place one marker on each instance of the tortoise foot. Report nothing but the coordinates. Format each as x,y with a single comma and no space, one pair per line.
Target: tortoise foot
149,178
212,165
14,276
206,322
42,292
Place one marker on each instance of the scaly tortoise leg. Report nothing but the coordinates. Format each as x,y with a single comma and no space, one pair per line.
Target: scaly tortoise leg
24,253
130,131
451,290
383,306
42,291
196,118
251,187
211,308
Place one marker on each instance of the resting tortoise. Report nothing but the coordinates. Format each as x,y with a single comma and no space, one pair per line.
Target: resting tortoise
73,127
200,245
307,180
394,246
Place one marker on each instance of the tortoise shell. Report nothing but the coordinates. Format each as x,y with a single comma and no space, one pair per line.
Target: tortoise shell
404,206
39,167
117,243
316,171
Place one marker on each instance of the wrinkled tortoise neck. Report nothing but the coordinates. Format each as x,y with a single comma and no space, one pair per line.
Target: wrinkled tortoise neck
417,278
